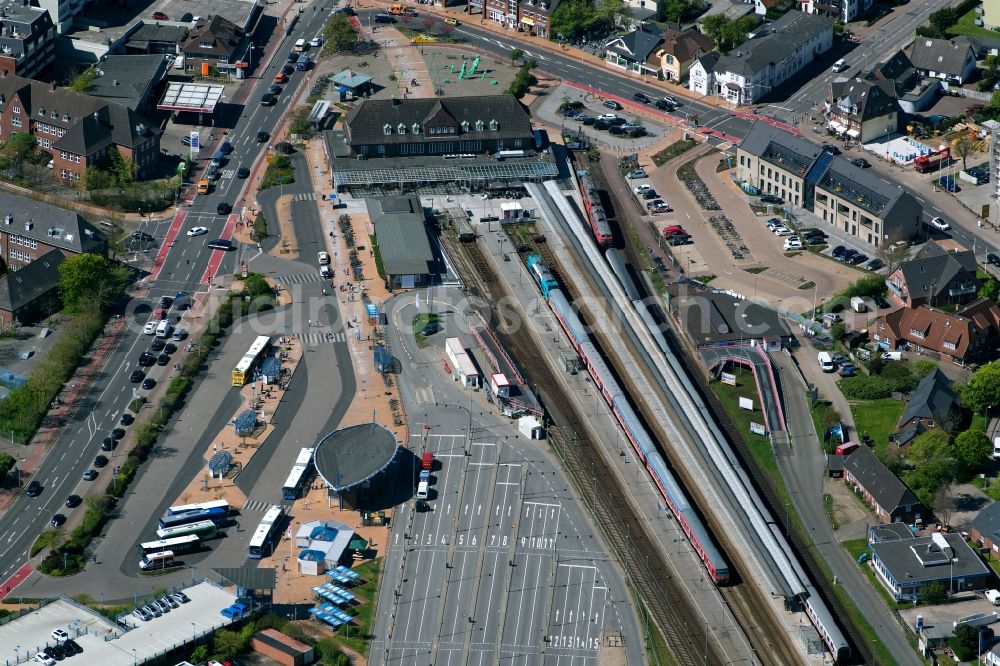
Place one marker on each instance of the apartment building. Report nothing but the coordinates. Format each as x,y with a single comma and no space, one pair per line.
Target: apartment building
843,10
810,177
62,12
27,38
77,129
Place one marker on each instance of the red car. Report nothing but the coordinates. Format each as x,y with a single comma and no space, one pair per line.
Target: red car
159,314
160,16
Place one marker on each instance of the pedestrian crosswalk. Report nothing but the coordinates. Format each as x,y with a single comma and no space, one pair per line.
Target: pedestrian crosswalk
261,506
321,337
297,278
304,196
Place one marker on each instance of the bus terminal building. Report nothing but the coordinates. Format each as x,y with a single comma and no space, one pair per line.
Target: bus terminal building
474,142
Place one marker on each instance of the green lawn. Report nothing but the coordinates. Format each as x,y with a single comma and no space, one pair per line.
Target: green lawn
966,25
730,396
419,322
877,418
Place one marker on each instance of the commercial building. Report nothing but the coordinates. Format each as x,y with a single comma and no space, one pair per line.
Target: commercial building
862,109
27,39
534,16
32,293
773,54
134,81
808,176
887,496
906,563
968,335
913,92
467,142
216,44
843,10
156,38
951,60
631,51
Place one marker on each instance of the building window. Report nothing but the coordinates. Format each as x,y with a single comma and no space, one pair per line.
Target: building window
24,242
917,334
381,149
517,143
17,255
387,129
15,109
949,345
364,150
15,121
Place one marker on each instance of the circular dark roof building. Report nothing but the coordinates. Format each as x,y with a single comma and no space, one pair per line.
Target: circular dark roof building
348,457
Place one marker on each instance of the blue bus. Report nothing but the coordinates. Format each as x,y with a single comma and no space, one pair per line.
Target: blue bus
215,514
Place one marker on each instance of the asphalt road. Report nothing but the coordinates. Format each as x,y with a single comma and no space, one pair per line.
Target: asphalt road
504,567
184,269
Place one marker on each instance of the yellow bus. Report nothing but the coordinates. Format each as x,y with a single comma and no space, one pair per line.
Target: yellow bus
244,370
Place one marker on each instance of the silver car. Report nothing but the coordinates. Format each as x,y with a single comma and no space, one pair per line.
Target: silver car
160,606
152,610
165,599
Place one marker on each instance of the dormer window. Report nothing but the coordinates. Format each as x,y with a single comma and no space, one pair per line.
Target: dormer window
479,125
465,126
387,129
494,125
205,45
15,109
54,115
41,112
416,128
401,128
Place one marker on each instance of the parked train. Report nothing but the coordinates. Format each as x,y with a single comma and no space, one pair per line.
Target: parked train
596,216
678,384
643,444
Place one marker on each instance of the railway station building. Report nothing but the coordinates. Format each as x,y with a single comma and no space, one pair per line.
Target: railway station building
408,258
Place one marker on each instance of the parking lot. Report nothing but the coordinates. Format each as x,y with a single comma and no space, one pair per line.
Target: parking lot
20,352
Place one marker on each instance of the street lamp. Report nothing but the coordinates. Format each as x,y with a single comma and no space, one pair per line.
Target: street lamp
134,657
194,632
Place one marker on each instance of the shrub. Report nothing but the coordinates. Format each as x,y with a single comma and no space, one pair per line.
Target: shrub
865,388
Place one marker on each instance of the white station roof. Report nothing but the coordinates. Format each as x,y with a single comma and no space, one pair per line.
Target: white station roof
197,97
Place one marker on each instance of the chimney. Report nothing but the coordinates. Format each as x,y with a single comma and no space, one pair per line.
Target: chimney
114,82
28,224
52,86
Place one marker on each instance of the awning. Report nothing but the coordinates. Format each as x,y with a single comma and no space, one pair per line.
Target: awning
527,21
836,127
733,86
853,133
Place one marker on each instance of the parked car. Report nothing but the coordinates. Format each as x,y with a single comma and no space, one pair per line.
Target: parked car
850,254
773,224
141,615
90,475
875,264
948,183
881,302
649,194
179,597
640,97
782,231
847,370
148,383
679,239
34,489
858,259
992,259
57,520
792,243
980,174
861,162
840,65
839,252
612,104
160,16
655,203
661,208
136,376
771,199
635,174
73,501
157,344
108,444
639,189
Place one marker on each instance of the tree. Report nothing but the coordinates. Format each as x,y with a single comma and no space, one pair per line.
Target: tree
967,637
944,503
83,81
893,256
515,55
89,280
227,644
20,146
933,465
674,10
613,13
7,463
933,594
339,34
122,168
964,147
95,178
575,18
943,19
972,450
983,389
726,32
995,100
200,654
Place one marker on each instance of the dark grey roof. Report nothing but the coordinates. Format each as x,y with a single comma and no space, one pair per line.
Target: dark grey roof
636,45
49,224
921,559
709,61
249,578
23,286
773,42
784,149
348,456
126,79
885,487
366,122
931,273
729,318
932,399
863,99
872,194
156,32
218,36
402,235
987,521
940,55
112,124
981,45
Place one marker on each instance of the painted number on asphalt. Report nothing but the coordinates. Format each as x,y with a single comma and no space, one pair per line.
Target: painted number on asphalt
575,642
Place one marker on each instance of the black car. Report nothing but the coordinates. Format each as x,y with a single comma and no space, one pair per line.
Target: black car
858,259
136,376
223,208
108,444
992,259
771,199
148,383
157,344
72,646
613,105
166,302
640,97
55,651
860,162
262,136
346,11
73,501
162,359
830,148
839,252
274,89
875,264
292,57
169,348
601,124
664,105
34,489
585,119
881,302
126,419
288,69
617,122
100,461
118,433
243,172
850,254
268,99
226,148
146,359
649,195
616,130
57,520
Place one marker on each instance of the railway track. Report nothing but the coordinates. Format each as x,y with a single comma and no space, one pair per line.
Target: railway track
646,572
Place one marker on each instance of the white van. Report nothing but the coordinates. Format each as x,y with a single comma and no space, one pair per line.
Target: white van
993,597
164,329
300,45
825,362
422,490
